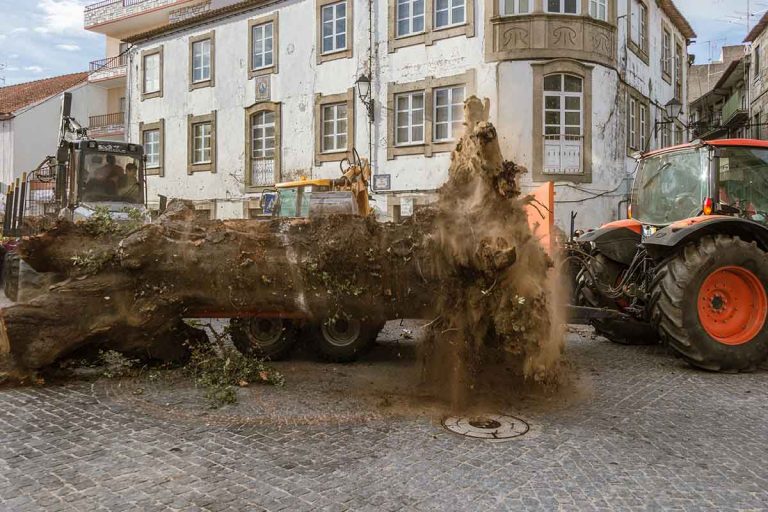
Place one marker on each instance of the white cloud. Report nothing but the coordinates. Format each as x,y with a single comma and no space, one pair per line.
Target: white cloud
2,37
68,47
33,69
19,30
61,17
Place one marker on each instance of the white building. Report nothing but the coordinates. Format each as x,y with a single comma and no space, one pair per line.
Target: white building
30,116
231,99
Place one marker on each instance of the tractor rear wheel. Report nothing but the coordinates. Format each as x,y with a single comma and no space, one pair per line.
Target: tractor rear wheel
602,272
710,303
267,338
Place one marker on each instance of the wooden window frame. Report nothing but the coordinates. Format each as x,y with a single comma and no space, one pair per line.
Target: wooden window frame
276,108
410,95
428,85
431,34
579,7
274,68
641,100
209,36
350,35
148,53
321,101
157,126
569,67
203,167
667,61
639,48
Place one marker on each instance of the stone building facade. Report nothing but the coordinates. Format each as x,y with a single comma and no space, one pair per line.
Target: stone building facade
238,97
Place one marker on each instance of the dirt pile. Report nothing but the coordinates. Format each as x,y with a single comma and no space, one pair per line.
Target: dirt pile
495,310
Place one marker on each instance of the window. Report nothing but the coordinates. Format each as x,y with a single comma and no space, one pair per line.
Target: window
201,61
632,128
449,13
410,118
598,9
334,128
679,136
679,56
153,74
666,54
756,127
665,135
152,148
152,140
334,27
448,113
263,148
263,47
202,143
758,56
638,28
410,17
427,116
643,127
563,96
563,6
511,7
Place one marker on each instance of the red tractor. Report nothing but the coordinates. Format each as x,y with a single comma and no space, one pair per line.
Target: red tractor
689,267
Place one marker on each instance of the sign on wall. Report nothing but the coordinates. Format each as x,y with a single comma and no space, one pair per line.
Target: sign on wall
382,182
263,88
406,207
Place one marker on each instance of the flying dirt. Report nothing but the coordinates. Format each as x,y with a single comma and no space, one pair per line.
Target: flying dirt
469,264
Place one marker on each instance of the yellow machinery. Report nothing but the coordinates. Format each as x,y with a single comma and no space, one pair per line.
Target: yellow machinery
316,197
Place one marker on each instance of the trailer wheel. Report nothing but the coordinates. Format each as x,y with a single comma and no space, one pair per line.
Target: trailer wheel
608,272
710,303
267,338
343,339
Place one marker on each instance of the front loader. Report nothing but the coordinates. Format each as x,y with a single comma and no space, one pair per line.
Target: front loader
689,267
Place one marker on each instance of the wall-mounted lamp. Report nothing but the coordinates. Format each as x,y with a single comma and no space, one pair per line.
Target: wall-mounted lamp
363,84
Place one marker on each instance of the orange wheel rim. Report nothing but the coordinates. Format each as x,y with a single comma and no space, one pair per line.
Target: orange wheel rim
732,305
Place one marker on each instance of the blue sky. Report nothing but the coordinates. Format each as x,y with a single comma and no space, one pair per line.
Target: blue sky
40,38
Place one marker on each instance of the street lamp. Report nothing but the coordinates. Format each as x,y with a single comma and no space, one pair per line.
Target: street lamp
363,84
672,111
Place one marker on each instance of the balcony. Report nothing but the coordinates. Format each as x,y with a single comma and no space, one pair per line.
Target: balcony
117,18
112,70
110,126
735,110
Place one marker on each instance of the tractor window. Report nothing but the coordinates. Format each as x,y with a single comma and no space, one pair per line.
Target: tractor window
288,197
107,177
744,181
670,187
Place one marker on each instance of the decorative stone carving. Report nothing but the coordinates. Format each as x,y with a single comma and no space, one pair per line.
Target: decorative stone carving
515,37
547,36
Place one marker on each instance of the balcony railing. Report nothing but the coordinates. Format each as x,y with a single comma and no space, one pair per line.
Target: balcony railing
735,108
107,123
109,63
106,3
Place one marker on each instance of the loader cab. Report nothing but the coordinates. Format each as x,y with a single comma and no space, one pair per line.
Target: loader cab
108,172
722,177
320,197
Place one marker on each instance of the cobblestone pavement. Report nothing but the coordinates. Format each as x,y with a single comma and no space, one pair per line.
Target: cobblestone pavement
637,430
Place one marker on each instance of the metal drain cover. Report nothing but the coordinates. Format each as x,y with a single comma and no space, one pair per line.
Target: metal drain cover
493,427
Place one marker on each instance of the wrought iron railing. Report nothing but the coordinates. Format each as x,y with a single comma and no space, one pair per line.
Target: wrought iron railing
262,172
102,121
109,63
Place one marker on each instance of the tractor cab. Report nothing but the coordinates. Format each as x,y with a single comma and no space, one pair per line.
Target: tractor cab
721,177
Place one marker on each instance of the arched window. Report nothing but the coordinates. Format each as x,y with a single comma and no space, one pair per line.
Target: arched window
563,123
262,123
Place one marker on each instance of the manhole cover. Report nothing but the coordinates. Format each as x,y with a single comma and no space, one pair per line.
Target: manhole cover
494,427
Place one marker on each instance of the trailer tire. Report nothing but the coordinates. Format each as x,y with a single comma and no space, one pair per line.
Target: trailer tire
265,338
343,339
588,294
710,303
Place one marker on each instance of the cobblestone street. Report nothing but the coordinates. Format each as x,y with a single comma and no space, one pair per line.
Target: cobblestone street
636,429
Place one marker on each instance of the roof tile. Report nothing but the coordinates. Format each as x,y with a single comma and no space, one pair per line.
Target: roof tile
15,97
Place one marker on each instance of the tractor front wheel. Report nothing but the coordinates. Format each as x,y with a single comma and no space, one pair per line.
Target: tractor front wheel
343,338
710,303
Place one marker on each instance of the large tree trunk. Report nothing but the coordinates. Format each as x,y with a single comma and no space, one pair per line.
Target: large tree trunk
470,263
